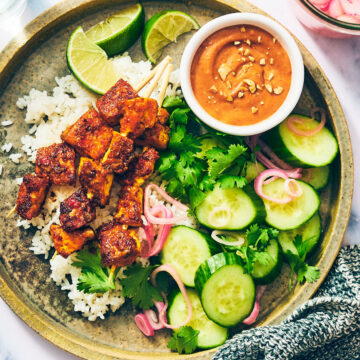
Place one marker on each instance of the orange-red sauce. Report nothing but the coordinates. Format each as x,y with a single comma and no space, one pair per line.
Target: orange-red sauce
241,75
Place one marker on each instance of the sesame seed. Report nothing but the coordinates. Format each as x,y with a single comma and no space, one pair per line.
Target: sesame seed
254,110
243,29
251,59
236,43
262,61
259,39
248,42
271,61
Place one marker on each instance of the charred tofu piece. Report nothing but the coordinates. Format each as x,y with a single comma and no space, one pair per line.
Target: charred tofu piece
141,167
119,154
110,105
157,136
76,211
66,243
57,162
162,116
130,206
139,114
32,194
96,180
119,247
89,135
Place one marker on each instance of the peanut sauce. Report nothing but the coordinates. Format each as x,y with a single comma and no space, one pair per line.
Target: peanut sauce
241,75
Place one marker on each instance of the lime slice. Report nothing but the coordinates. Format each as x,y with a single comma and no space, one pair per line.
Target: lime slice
118,32
89,63
163,28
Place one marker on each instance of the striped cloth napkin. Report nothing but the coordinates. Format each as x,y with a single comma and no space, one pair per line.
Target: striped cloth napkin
326,327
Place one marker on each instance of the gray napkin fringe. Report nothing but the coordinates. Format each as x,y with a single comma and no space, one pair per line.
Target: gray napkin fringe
326,327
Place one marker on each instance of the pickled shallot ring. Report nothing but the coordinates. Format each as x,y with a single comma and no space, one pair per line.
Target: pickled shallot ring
255,312
259,182
153,319
293,120
144,325
290,185
156,220
215,235
162,314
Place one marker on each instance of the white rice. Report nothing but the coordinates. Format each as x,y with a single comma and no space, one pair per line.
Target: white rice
6,147
6,123
1,169
49,115
15,158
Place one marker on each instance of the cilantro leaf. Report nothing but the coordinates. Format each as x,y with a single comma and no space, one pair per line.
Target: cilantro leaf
231,181
196,197
170,103
166,161
184,341
137,286
220,159
95,278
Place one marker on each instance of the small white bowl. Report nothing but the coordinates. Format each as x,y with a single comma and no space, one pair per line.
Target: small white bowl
285,39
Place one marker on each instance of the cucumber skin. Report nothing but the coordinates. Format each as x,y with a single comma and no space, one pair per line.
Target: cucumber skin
171,299
210,266
274,273
275,141
257,203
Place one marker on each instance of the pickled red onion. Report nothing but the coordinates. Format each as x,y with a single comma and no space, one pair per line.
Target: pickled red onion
280,163
255,312
144,325
215,235
351,7
162,314
259,182
157,220
292,120
291,192
154,320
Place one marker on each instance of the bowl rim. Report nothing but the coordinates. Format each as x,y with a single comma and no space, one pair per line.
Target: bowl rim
327,18
288,43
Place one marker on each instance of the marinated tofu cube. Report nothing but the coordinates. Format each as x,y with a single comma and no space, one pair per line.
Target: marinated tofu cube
66,243
32,194
89,135
76,211
139,114
119,154
110,105
141,168
119,247
57,162
130,206
96,180
162,116
157,136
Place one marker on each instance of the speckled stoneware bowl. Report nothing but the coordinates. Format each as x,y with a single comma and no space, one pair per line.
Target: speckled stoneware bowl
33,59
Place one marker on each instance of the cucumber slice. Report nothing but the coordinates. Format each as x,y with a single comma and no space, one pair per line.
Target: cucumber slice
207,143
252,171
296,212
311,229
230,209
227,293
304,151
266,273
185,249
211,334
319,177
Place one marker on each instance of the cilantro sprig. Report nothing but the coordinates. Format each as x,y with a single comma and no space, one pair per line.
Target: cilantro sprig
184,341
298,265
95,278
189,176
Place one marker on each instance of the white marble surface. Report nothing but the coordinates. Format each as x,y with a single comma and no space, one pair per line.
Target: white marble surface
340,60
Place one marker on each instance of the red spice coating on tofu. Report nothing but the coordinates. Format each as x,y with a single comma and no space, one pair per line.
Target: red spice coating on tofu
119,154
119,247
31,196
76,211
66,243
96,180
89,135
162,116
56,161
157,136
130,206
141,167
110,105
139,114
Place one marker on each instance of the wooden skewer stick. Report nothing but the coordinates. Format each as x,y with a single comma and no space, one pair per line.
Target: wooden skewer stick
147,92
112,271
164,84
11,211
146,80
55,253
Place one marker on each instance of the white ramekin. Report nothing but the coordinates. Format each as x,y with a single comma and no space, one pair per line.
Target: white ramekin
288,43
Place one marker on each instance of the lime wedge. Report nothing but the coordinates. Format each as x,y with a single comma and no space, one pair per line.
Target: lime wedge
89,63
118,32
163,28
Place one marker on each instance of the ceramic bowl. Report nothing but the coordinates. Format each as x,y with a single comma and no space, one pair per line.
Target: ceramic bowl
288,43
